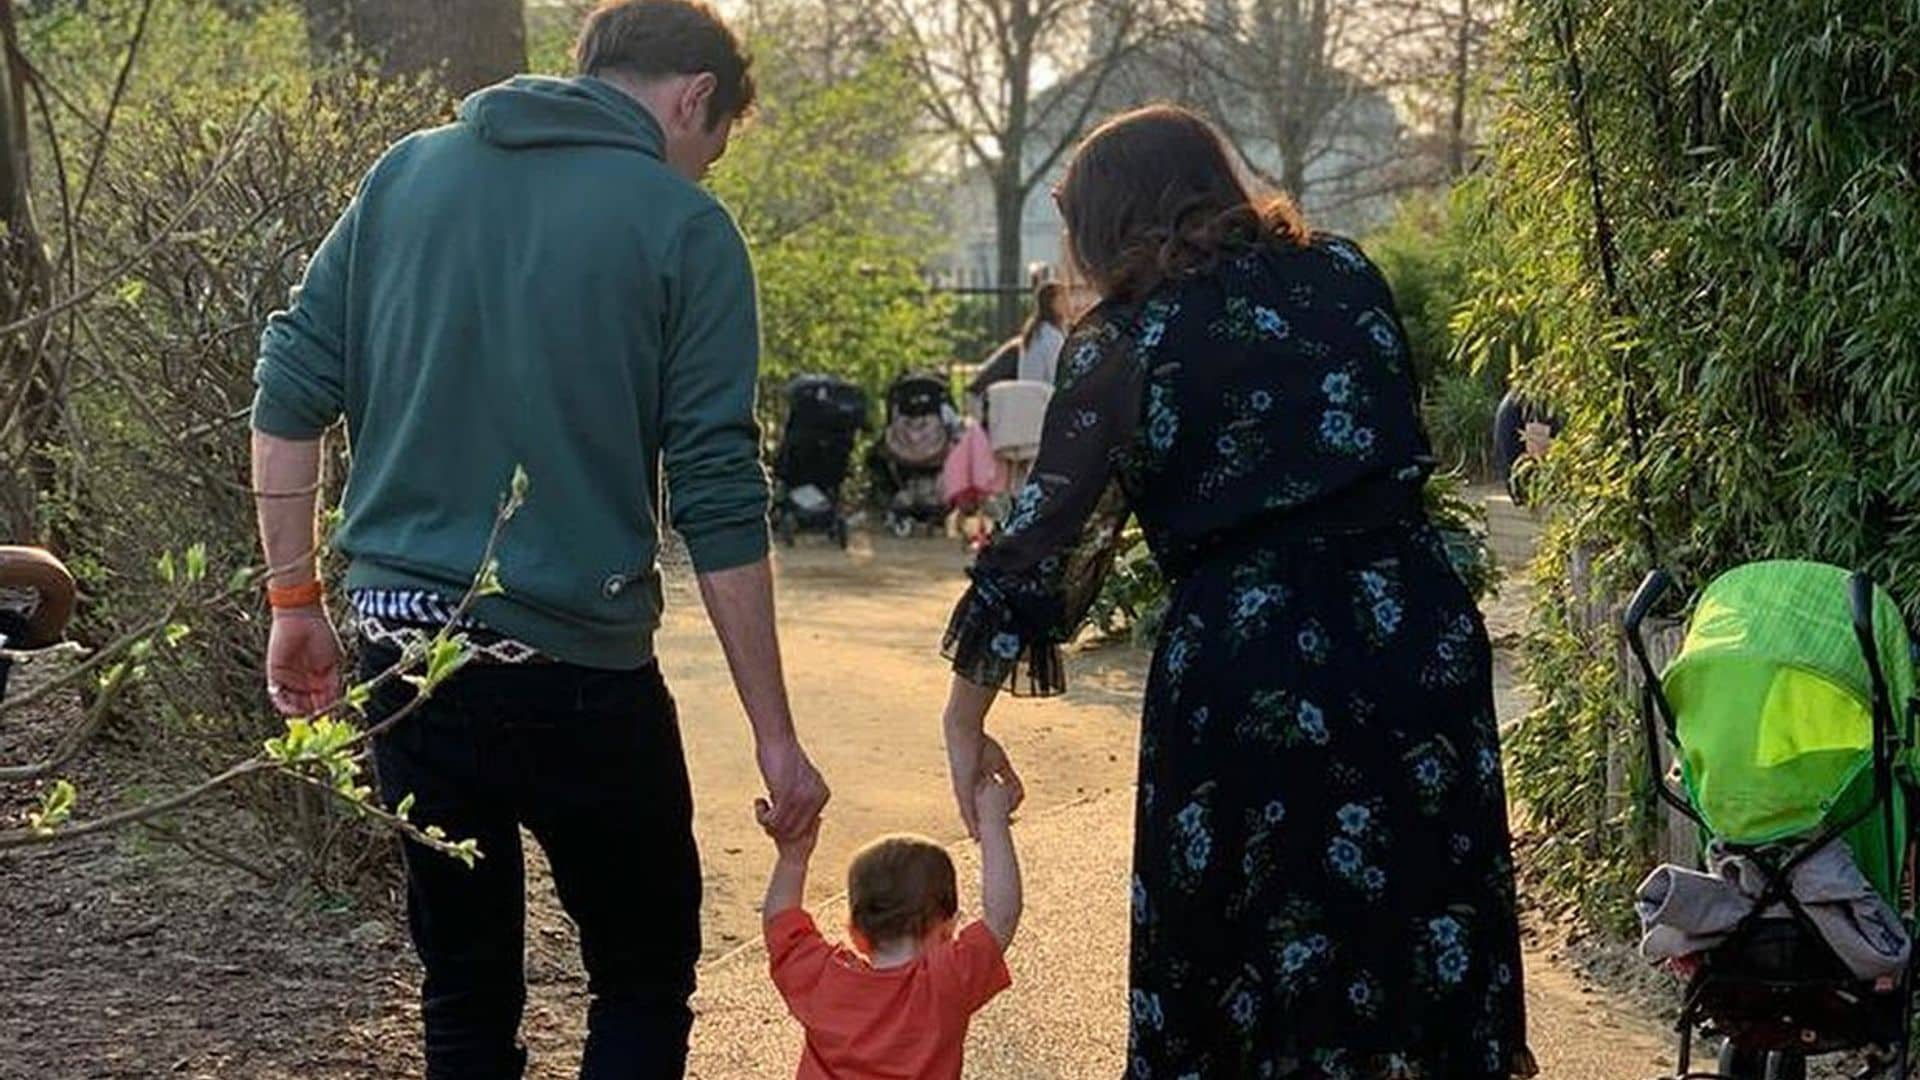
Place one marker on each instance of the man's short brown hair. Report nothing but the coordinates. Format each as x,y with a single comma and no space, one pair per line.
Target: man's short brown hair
652,39
900,887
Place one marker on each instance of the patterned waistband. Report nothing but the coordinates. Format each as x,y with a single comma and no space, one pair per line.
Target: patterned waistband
409,620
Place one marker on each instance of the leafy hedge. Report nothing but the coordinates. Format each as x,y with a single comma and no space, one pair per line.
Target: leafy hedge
1757,202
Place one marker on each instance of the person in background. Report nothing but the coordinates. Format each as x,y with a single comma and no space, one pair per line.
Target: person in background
1045,333
1521,430
542,283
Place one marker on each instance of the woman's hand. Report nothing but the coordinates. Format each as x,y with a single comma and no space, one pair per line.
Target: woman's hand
972,762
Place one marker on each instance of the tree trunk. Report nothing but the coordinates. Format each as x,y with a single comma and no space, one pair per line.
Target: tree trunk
1009,207
1462,76
468,44
31,399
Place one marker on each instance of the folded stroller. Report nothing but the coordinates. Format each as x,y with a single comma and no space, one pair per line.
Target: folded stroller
906,461
1790,710
824,417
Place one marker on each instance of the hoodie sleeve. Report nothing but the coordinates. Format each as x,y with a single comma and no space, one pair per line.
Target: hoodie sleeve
301,375
716,485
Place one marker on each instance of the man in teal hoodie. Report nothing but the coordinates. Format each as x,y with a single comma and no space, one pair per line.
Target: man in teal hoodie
541,285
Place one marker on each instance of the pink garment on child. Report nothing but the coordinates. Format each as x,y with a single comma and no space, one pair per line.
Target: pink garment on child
972,472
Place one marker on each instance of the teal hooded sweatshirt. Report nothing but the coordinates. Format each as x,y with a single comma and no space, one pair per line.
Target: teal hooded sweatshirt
532,286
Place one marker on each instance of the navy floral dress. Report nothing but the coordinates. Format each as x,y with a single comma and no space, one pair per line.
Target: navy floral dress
1322,879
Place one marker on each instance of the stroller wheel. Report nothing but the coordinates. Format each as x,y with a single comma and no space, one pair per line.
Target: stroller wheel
1738,1064
786,529
900,525
838,532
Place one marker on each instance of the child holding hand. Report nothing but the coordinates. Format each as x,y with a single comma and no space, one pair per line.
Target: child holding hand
897,1003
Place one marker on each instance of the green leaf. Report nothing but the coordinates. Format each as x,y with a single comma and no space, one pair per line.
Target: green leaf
405,808
197,563
176,633
55,808
488,583
241,581
164,568
358,695
517,490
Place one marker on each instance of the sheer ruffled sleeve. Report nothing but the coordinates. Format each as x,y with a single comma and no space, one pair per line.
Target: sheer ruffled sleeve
1033,585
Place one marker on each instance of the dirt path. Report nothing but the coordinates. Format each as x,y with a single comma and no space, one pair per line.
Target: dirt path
207,987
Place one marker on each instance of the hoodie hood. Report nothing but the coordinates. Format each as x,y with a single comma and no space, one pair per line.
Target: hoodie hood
533,111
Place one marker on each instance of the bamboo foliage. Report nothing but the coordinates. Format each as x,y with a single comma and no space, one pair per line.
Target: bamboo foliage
1709,220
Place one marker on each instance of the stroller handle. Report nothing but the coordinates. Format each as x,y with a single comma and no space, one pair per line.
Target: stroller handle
1645,597
1860,588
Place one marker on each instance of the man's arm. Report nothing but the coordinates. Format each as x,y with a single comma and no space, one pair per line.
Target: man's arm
717,492
301,377
740,604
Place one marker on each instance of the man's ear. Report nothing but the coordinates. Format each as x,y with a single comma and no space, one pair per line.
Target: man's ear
695,94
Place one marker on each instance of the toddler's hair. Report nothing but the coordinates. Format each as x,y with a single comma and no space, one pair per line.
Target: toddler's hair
900,887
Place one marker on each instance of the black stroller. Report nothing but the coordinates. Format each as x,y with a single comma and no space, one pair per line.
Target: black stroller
824,417
906,461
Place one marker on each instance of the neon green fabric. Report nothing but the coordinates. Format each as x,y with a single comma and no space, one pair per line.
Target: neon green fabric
1773,705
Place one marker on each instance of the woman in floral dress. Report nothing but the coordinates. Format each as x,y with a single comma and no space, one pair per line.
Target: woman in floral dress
1322,881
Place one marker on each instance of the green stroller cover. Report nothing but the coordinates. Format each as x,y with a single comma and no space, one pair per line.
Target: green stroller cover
1773,707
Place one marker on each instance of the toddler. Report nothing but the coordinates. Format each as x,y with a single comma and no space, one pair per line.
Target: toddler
898,1002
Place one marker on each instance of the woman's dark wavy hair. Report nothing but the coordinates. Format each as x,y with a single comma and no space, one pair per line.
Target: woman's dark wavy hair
1153,194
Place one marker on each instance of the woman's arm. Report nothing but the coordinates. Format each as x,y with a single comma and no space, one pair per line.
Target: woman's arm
1035,582
971,752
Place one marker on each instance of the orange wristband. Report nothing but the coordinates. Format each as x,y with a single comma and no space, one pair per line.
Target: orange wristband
296,596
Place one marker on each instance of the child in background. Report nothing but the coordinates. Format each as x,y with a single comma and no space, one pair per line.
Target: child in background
898,1002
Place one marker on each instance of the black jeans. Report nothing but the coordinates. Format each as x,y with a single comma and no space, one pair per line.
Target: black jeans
590,762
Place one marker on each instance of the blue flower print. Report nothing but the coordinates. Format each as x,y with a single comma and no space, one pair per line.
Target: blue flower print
1344,855
1006,645
1260,401
1274,813
1269,322
1338,386
1373,879
1354,819
1226,446
1199,720
1138,906
1243,1009
1163,424
1386,616
1347,256
1313,643
1025,509
1452,966
1336,425
1444,931
1146,1009
1312,723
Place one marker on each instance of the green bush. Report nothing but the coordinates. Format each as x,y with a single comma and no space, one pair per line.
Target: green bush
1432,254
1762,215
228,161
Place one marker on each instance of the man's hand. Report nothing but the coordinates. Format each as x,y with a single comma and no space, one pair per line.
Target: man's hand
303,661
795,789
795,849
